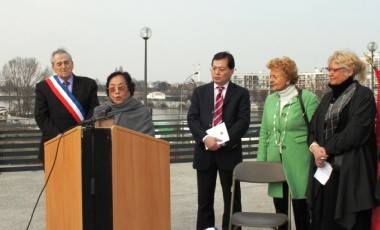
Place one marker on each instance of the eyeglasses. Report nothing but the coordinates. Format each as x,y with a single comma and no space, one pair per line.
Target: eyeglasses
332,70
221,69
120,88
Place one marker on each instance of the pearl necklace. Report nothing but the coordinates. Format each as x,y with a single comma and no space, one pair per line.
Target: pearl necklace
280,140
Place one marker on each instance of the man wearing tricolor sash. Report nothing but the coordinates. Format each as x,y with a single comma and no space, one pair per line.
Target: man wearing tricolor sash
64,99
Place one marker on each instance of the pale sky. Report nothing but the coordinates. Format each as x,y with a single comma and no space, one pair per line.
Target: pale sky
103,35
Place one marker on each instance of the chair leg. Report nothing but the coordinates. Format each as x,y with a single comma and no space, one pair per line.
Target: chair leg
289,210
232,202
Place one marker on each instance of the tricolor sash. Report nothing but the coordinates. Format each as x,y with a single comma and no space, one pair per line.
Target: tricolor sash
67,98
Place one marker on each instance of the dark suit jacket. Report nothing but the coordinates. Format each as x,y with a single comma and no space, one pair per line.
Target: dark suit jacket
236,116
51,115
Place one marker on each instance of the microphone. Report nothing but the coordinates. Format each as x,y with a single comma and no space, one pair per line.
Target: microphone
105,111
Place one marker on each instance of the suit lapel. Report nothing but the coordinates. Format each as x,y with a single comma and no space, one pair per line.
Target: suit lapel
210,95
209,103
76,86
230,91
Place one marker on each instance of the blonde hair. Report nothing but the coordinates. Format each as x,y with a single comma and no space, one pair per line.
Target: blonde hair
349,60
287,65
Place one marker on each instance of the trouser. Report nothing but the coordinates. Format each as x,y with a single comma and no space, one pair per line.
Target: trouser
300,210
206,180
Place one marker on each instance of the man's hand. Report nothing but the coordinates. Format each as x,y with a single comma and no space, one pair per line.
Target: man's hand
212,143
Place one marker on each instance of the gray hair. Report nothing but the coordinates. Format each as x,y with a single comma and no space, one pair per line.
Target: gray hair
60,51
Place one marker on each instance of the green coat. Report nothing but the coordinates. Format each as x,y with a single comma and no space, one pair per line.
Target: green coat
295,151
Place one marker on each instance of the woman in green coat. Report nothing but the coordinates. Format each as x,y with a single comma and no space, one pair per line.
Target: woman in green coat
283,137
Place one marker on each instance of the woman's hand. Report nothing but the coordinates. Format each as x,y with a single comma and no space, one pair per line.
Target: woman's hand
320,155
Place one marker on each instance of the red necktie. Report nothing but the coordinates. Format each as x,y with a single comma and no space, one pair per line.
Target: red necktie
218,107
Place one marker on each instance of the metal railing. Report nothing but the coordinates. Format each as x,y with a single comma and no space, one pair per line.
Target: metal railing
19,143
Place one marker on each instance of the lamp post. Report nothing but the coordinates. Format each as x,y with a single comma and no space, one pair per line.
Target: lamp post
372,47
180,113
145,33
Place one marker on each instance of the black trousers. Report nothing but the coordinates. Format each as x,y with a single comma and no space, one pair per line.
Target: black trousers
206,180
300,210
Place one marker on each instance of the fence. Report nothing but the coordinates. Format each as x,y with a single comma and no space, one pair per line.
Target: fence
19,143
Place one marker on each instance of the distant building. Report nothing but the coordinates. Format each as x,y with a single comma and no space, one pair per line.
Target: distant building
156,96
246,80
260,81
314,81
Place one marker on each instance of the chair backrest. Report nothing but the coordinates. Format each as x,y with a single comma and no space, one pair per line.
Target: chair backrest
259,172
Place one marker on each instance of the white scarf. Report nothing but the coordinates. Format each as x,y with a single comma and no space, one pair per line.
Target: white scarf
286,95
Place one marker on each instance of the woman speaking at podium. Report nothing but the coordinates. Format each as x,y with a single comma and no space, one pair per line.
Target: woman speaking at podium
121,108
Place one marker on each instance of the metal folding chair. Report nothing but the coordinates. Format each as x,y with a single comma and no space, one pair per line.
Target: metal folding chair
258,172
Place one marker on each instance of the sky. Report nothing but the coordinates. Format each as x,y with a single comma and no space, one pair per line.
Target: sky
102,35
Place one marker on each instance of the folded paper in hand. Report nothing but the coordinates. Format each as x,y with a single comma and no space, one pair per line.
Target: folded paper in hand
323,174
219,132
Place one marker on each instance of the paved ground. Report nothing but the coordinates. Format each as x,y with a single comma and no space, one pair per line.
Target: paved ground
19,192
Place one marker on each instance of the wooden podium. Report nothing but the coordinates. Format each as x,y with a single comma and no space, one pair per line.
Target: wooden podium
107,178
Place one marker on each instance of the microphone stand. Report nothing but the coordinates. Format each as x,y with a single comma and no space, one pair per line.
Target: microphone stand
89,127
91,121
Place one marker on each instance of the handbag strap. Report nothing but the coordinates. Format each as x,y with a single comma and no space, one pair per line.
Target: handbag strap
302,106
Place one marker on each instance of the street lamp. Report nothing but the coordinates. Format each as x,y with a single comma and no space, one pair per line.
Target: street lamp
189,77
372,47
145,33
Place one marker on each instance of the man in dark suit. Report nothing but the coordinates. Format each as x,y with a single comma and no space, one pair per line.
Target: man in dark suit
218,158
63,100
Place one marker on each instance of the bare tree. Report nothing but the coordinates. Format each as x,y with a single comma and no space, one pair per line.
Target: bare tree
19,77
119,69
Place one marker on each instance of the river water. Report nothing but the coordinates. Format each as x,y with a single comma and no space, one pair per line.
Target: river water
168,114
159,114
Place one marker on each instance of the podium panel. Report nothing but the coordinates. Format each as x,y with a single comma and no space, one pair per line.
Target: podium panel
107,178
64,188
141,197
